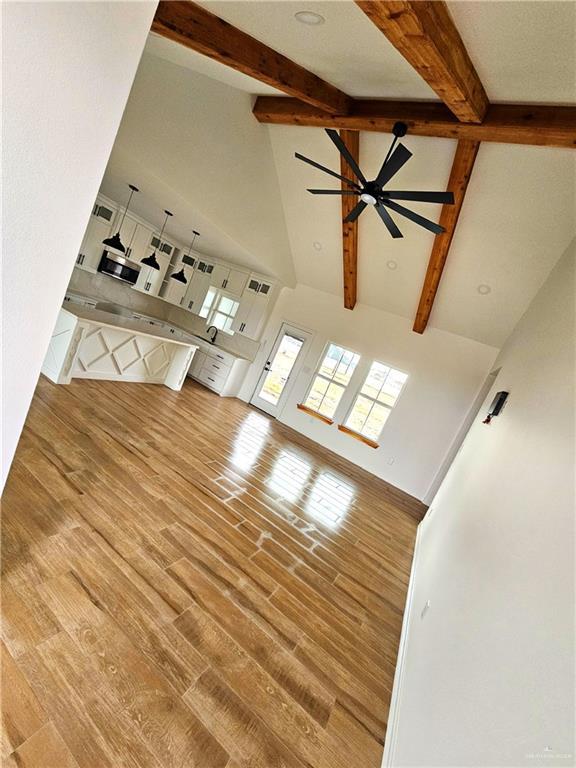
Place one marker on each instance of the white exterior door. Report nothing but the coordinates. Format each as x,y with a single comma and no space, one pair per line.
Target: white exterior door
283,362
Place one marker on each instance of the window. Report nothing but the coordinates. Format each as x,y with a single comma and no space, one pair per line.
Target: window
331,380
219,309
375,401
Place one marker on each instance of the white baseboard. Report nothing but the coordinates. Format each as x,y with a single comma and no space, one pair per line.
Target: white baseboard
392,728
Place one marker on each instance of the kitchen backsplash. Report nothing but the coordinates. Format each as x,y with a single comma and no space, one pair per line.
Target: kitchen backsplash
108,289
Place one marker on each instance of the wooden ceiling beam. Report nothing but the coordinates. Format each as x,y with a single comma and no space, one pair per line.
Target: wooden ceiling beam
551,126
196,28
424,33
349,230
462,166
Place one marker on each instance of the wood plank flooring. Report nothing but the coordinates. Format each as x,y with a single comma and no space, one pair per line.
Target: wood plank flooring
187,583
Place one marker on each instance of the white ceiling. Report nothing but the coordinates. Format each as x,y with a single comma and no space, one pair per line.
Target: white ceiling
189,136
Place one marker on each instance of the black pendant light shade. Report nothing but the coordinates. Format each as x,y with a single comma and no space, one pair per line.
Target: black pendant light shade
180,276
114,241
151,261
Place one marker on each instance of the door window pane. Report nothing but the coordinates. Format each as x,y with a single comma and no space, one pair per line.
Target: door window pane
280,369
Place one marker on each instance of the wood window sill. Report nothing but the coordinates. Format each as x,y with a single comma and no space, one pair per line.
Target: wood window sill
316,415
358,436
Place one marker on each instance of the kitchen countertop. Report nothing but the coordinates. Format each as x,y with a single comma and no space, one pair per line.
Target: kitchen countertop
127,323
143,324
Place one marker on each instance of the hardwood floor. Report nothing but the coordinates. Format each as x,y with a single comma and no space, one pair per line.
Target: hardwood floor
188,583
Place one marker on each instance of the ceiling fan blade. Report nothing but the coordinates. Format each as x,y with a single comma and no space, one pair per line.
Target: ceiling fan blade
355,212
416,218
333,191
421,197
388,221
327,170
400,156
345,152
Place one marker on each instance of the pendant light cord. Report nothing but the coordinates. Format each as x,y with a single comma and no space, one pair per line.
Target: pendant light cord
194,236
132,190
163,226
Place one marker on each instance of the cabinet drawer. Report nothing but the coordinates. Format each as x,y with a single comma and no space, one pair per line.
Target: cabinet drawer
216,366
211,379
221,358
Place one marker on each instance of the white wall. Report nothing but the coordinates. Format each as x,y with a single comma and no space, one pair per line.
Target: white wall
444,374
67,72
487,677
191,144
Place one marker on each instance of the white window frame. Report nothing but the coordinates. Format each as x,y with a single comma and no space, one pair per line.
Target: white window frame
329,380
374,401
214,307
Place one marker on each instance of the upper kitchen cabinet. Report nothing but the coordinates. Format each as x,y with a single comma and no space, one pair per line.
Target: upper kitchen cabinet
173,290
198,287
261,286
253,307
235,281
138,245
98,229
150,280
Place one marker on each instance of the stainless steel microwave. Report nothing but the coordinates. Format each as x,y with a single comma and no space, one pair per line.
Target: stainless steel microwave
115,265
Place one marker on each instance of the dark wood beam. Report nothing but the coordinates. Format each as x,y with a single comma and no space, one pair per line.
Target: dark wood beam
191,25
462,166
426,36
349,230
552,126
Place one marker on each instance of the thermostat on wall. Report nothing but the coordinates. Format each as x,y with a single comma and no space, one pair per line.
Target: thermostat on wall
497,404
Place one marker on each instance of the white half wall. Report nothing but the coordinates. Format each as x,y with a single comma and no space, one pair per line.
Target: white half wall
67,72
486,677
445,373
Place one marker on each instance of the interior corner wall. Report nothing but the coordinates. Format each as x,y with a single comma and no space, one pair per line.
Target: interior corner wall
486,675
67,72
445,373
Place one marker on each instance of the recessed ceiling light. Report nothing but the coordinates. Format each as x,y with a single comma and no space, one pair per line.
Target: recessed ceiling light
310,18
391,264
317,245
483,289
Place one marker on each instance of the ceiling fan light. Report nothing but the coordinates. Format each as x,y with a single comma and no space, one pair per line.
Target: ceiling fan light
151,261
180,276
114,242
368,198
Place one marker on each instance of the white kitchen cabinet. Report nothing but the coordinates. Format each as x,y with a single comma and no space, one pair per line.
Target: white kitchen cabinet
162,246
150,279
259,285
173,290
235,282
138,247
250,315
220,371
196,293
219,275
98,229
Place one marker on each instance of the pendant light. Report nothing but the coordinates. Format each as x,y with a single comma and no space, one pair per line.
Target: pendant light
180,276
115,242
151,261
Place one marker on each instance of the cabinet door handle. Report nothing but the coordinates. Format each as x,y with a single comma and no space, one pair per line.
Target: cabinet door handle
190,304
211,379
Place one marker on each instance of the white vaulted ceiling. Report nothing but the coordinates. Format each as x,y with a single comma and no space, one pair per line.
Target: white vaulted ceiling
189,132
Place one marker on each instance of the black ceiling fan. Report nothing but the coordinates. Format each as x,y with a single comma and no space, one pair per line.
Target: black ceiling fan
373,192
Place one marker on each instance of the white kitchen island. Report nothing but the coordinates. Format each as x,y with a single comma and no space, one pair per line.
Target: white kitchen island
91,344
